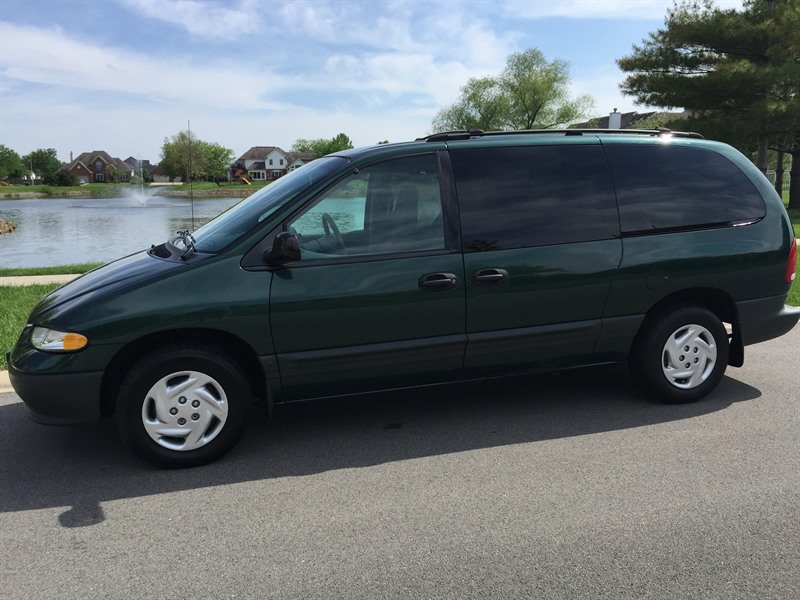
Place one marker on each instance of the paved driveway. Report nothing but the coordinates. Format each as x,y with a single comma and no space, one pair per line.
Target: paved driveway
557,486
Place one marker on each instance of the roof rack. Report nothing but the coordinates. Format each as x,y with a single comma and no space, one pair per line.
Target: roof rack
465,134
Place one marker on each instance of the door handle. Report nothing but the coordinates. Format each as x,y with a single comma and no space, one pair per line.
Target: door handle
490,277
438,282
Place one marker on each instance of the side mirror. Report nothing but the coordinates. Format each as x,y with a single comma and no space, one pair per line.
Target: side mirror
285,249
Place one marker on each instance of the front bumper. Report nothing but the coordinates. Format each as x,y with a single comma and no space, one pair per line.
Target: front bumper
61,398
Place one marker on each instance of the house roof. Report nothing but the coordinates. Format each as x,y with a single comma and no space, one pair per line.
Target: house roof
88,158
133,163
258,152
257,166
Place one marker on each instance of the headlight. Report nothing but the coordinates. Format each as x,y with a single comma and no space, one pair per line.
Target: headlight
57,341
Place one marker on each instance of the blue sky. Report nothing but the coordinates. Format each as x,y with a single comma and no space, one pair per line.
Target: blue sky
122,75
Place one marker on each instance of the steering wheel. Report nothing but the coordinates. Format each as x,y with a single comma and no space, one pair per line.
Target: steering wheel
329,225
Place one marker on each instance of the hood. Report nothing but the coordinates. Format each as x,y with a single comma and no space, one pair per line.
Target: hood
109,278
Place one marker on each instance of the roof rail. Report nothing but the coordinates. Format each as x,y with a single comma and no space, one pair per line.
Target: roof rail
465,134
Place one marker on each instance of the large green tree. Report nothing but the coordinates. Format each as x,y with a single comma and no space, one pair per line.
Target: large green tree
184,155
11,164
736,70
217,159
321,146
530,93
45,164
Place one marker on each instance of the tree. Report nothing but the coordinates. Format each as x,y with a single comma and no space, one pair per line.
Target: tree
182,156
44,163
538,92
11,164
217,159
530,93
734,68
321,147
65,178
482,105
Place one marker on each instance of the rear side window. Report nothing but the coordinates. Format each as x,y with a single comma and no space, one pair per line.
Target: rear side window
677,187
533,196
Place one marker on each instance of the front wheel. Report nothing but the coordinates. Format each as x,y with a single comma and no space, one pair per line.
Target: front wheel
182,406
681,355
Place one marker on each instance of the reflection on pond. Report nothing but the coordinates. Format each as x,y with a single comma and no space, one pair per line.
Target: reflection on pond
76,230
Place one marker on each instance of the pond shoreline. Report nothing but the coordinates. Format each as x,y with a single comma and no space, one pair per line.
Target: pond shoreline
165,193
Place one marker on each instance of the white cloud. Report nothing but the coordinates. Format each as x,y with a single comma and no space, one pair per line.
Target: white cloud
50,57
206,19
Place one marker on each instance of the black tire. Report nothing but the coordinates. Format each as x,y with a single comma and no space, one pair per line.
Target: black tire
184,405
680,355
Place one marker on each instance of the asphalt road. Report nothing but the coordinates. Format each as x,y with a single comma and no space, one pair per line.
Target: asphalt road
555,486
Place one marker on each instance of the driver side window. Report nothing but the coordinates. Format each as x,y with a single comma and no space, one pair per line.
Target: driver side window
393,206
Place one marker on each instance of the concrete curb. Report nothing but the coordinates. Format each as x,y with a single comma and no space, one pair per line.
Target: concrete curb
35,279
5,383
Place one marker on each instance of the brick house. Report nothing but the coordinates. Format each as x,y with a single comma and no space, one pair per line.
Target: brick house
100,166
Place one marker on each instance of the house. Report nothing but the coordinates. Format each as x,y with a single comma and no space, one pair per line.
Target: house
631,120
99,166
267,163
139,166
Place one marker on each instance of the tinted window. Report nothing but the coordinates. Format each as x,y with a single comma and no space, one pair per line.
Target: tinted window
533,196
676,187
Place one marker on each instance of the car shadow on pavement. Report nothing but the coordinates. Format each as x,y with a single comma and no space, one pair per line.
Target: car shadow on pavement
80,468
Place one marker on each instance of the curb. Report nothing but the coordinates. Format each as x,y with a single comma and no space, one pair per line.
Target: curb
5,383
22,280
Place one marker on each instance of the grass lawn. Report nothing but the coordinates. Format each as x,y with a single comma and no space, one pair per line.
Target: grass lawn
17,303
94,190
62,270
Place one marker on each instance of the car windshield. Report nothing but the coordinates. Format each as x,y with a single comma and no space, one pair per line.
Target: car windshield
247,214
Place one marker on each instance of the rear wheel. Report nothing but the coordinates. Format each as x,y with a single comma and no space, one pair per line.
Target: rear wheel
681,355
183,406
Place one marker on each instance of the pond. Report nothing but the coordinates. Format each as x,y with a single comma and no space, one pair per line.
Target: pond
59,231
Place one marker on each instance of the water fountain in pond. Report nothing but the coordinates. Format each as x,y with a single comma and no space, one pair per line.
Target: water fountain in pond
138,192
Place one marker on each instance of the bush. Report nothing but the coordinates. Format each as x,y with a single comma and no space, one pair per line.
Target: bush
65,178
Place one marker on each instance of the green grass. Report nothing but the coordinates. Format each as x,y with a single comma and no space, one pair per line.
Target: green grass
17,303
60,270
210,185
93,190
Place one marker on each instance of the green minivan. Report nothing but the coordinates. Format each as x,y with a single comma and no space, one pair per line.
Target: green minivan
458,256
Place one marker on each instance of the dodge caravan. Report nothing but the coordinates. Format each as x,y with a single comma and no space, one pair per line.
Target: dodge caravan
459,256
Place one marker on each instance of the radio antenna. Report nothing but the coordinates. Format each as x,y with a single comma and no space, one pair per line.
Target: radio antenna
191,184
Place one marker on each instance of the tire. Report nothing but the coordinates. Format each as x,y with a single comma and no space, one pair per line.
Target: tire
183,406
681,354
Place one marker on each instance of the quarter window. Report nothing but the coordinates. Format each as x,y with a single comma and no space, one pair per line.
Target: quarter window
533,196
675,187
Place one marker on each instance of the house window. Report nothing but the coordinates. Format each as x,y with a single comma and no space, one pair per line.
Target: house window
99,177
276,174
270,162
98,166
281,162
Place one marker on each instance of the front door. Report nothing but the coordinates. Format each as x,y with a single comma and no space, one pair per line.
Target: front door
377,300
